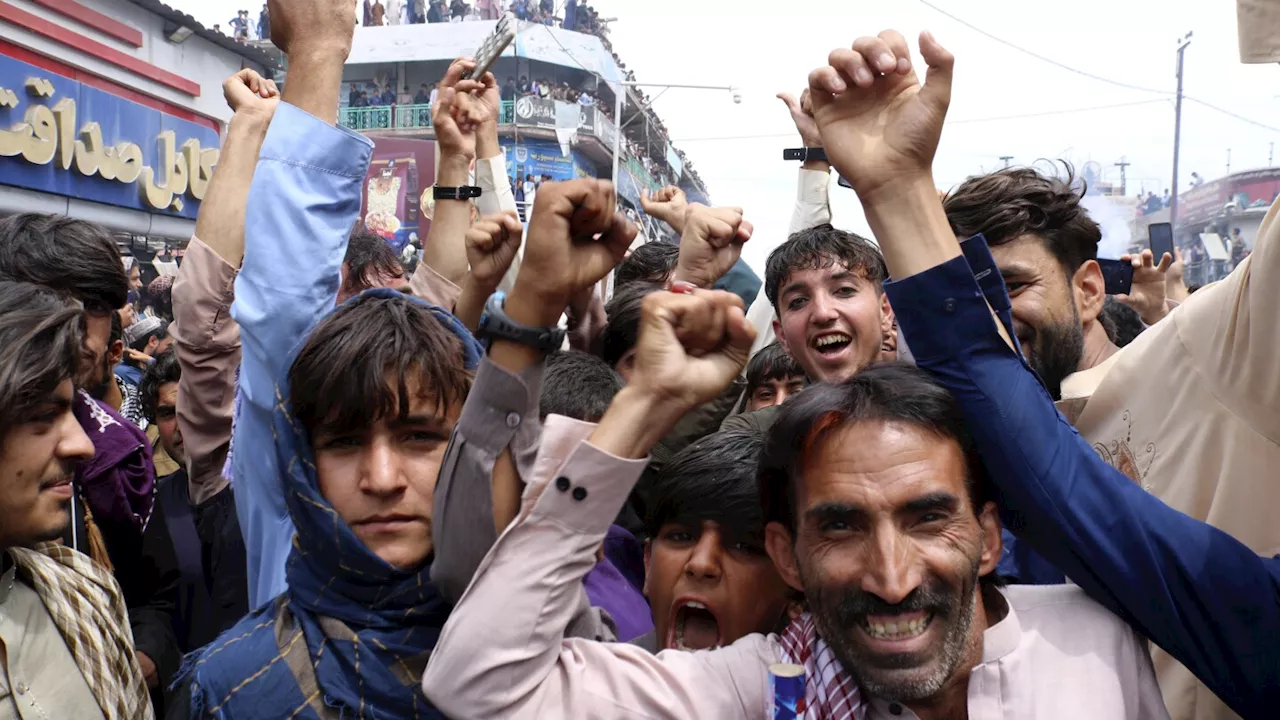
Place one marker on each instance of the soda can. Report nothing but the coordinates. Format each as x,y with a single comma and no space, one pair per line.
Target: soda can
787,692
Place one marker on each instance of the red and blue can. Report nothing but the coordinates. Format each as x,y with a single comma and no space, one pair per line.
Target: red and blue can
787,692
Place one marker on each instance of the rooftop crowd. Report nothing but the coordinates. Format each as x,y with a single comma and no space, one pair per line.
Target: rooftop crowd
938,470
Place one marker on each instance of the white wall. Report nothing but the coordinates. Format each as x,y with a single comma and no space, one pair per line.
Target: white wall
196,59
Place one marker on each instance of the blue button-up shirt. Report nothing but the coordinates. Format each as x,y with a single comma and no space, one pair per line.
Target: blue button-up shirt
1204,597
303,202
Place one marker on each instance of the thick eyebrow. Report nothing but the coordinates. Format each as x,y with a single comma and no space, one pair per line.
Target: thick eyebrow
417,421
1016,270
933,501
835,511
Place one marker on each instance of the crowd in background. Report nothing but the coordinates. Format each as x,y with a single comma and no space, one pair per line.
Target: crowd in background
543,469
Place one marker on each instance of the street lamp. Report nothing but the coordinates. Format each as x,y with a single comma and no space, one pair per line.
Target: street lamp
620,103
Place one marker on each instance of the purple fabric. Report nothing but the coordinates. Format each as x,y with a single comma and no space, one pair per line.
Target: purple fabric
612,590
118,483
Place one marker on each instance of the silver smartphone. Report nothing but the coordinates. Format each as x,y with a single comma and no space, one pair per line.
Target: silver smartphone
493,46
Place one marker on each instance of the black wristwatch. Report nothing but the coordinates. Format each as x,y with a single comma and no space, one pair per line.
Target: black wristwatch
462,192
805,154
495,325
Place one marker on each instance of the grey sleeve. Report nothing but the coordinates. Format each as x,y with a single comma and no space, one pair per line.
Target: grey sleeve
501,411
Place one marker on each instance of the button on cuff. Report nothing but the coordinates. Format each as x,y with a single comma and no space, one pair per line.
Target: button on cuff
579,493
562,484
513,420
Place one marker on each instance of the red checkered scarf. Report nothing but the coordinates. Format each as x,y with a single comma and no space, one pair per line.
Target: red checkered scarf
87,607
830,693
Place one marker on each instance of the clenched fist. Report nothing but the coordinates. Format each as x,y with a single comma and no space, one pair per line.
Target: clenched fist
710,244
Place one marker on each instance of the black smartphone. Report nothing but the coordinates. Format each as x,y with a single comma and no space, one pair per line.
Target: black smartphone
1117,275
845,183
1160,238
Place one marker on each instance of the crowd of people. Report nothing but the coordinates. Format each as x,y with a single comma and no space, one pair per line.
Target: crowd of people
934,474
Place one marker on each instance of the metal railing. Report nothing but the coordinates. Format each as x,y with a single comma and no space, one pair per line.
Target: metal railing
408,117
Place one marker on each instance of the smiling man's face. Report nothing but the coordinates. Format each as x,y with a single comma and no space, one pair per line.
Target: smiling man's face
889,551
832,320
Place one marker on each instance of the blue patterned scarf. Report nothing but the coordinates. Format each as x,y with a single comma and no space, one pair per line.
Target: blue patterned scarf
351,636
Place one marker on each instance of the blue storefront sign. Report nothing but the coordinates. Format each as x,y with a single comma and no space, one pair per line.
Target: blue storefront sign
542,157
63,137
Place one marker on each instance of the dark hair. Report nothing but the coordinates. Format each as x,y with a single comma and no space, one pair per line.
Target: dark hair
1193,287
41,332
623,327
1122,322
712,479
74,257
578,386
771,363
1013,202
368,256
164,370
821,247
888,392
159,333
339,381
652,262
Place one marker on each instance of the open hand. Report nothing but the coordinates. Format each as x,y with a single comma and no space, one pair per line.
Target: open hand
491,247
299,27
576,236
879,125
668,204
690,346
249,92
1149,292
458,111
802,115
710,244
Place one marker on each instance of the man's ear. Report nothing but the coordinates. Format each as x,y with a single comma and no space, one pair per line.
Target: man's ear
1089,289
116,352
887,319
777,333
992,543
778,543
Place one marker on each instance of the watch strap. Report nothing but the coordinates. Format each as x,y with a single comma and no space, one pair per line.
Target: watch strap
495,324
462,192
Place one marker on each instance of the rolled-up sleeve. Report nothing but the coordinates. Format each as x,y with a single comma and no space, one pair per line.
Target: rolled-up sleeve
207,343
501,413
813,205
1192,589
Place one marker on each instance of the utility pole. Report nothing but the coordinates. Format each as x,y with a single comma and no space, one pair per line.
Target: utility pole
1271,154
1123,185
1006,159
1177,134
1228,161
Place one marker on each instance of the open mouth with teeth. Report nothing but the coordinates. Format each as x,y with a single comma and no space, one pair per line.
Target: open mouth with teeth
693,627
897,628
832,343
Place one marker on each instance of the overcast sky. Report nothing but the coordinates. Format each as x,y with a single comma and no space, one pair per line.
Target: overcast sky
767,47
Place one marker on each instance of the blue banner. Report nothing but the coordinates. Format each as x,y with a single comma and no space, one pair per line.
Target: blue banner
59,136
543,157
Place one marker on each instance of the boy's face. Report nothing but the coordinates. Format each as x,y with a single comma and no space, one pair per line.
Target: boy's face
39,460
382,480
774,391
832,320
709,586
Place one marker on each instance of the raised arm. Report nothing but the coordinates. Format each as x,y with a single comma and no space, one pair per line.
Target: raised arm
813,205
527,587
456,116
206,339
303,201
1190,588
498,432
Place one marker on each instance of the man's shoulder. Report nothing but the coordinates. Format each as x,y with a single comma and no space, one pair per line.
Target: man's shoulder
1058,611
760,420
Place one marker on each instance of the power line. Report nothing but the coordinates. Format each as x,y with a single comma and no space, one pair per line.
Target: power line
1040,57
967,121
1241,118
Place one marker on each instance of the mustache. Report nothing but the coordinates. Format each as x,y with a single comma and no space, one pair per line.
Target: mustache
933,597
